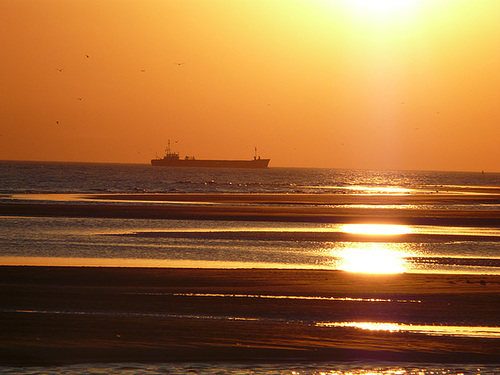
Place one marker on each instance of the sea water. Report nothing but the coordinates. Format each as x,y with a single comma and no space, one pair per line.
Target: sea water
54,177
181,243
229,244
226,244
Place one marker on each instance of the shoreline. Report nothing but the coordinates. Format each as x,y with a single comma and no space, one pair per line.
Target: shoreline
62,315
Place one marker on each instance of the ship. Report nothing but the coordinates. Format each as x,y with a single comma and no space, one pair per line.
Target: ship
172,159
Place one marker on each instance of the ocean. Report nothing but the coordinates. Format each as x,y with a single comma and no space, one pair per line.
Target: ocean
453,247
57,177
227,243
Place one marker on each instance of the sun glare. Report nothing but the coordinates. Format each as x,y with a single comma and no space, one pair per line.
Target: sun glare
383,7
376,229
373,259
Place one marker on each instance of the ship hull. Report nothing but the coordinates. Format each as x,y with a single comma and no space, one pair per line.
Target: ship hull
193,163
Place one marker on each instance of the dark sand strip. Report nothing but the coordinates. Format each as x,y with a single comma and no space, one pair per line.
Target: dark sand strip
333,208
52,315
265,213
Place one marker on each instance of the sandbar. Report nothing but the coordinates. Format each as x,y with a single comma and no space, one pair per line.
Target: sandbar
61,315
335,208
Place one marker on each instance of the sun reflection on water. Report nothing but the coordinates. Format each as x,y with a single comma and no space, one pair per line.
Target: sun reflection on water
379,189
431,330
372,258
376,229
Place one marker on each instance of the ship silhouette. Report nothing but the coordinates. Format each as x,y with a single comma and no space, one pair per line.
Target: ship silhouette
172,159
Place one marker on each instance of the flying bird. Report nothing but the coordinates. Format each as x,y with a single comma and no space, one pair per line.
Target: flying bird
60,69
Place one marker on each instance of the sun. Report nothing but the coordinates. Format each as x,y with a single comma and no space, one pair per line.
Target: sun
383,10
382,6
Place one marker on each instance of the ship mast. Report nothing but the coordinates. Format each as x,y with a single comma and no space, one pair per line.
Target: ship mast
168,147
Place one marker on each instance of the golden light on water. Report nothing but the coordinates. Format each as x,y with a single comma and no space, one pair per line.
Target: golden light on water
390,327
372,258
376,229
379,189
431,330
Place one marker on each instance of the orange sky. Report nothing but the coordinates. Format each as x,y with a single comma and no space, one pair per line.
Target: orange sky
311,83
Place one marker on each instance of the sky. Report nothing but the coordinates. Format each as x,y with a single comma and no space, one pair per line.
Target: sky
366,84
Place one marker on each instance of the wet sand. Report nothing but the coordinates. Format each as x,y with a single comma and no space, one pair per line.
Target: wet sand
57,315
335,208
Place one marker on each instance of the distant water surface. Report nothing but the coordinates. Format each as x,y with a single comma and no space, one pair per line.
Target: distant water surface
52,177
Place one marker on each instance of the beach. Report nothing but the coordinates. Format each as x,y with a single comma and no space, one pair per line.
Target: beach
249,276
63,315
